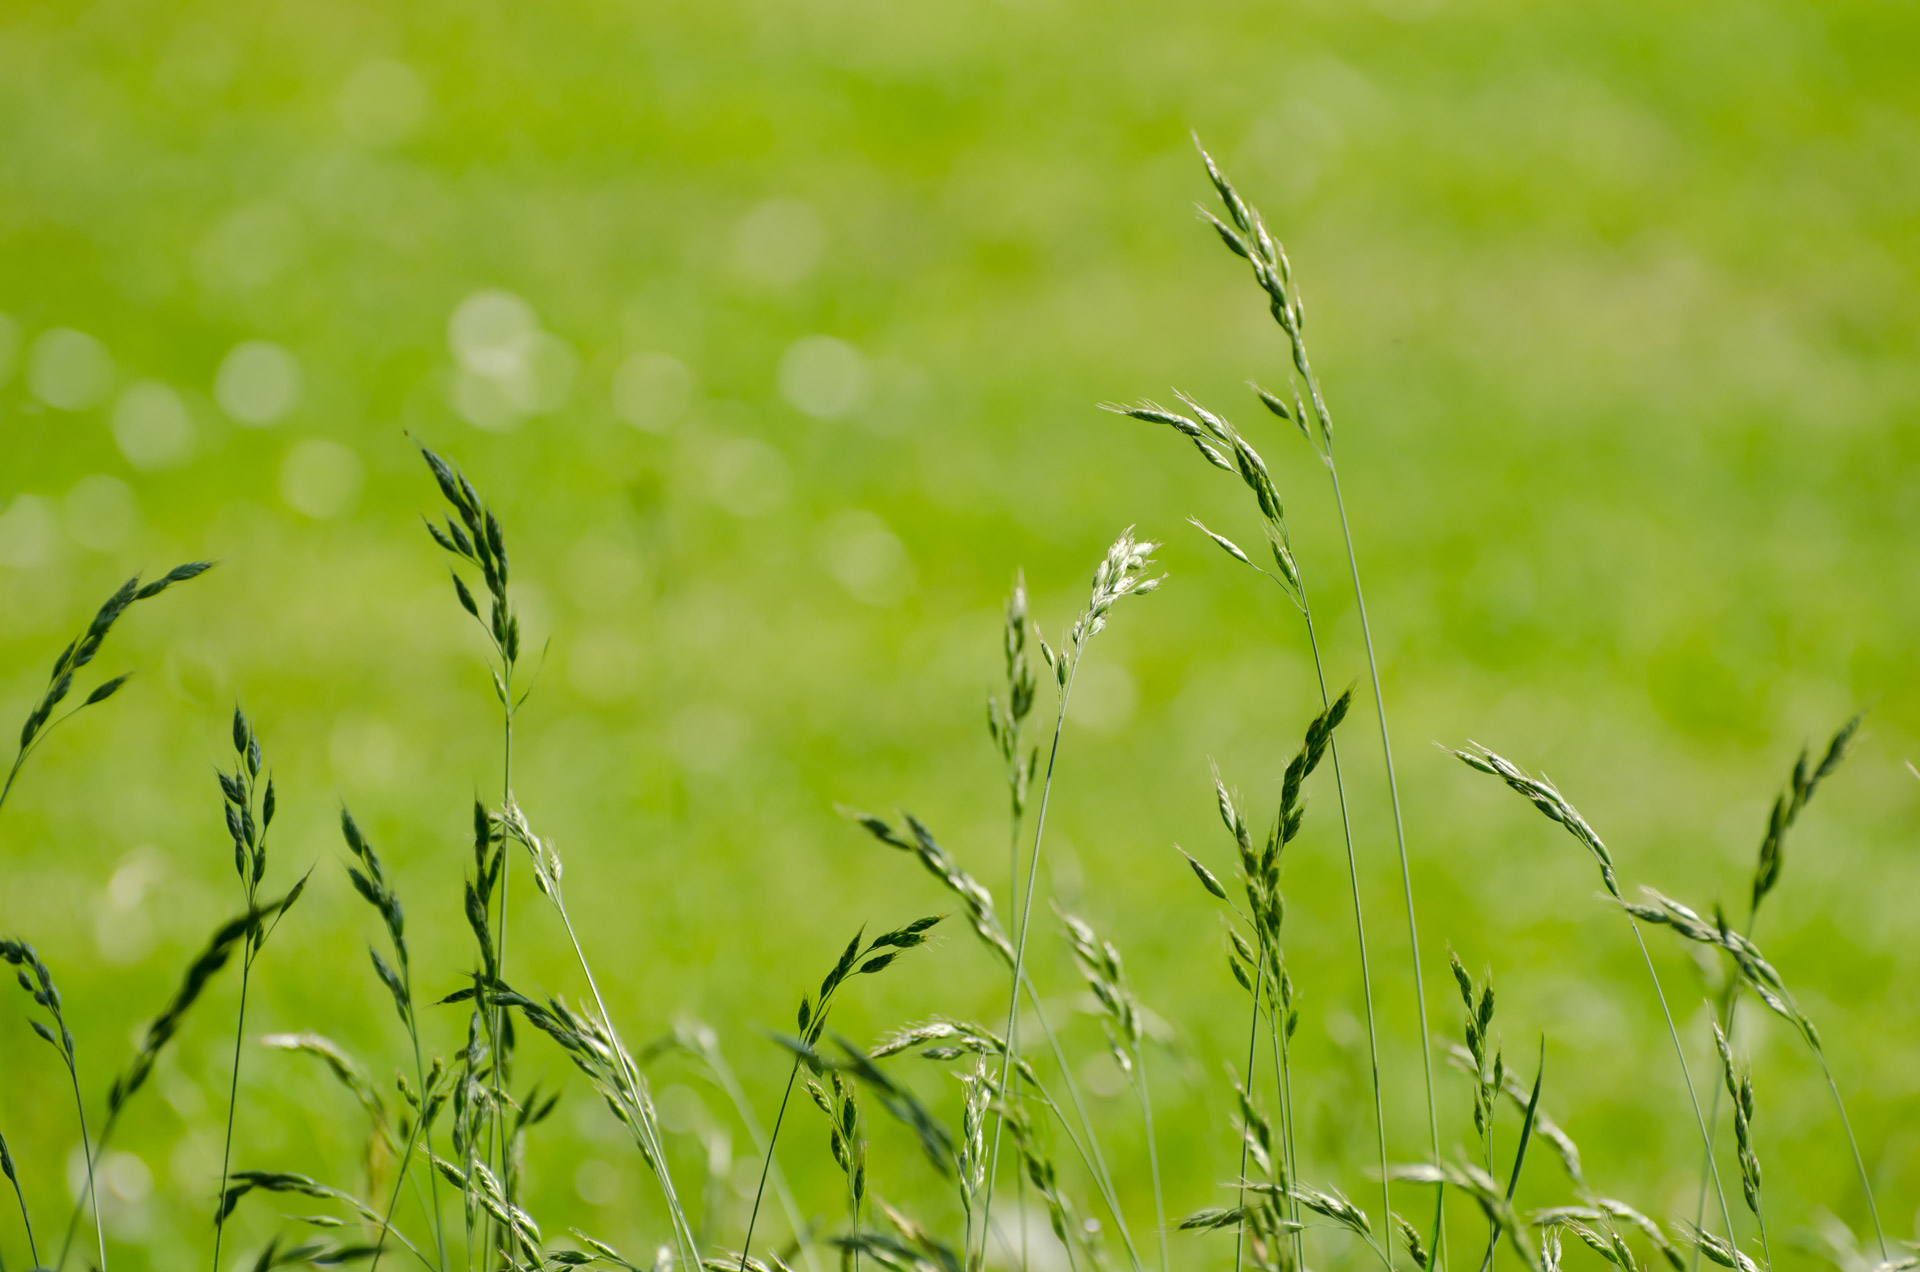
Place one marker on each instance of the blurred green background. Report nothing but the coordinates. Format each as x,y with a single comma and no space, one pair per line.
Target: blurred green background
774,332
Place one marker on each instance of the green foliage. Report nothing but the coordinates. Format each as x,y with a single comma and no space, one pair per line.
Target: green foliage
1610,304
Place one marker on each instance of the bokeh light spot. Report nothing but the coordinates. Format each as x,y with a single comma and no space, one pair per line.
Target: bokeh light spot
652,391
866,558
151,426
383,103
320,478
69,370
100,512
778,242
823,376
258,383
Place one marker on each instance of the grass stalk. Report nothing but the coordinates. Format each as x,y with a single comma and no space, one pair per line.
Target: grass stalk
723,1076
13,1178
1399,830
1680,1054
1240,1188
1859,1163
93,1192
1153,1152
1360,937
1024,908
1248,238
1121,573
233,1100
1090,1155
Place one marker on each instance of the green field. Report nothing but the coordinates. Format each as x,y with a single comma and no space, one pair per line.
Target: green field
775,334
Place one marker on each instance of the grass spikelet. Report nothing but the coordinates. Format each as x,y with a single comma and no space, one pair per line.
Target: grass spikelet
370,881
860,958
78,654
46,996
1720,1251
1545,797
1099,963
1739,1084
1486,1193
248,809
1787,806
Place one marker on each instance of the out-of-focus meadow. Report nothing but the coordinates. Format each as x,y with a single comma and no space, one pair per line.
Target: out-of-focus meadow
775,331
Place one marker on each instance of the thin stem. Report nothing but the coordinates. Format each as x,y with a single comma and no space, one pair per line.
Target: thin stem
33,1247
500,942
7,790
1360,935
1766,1249
1399,822
1283,1076
433,1176
1090,1154
99,1229
233,1096
723,1075
683,1231
420,1128
1026,916
1153,1153
393,1201
1680,1054
1019,1176
767,1165
1240,1195
1859,1164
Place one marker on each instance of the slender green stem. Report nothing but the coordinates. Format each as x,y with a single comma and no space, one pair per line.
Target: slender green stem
1729,1003
1019,1176
433,1176
1399,822
773,1141
1090,1154
1283,1076
233,1093
723,1075
1360,936
683,1231
1026,917
1766,1248
1680,1054
1240,1189
420,1128
1859,1163
393,1201
1153,1152
500,952
26,1222
93,1191
7,790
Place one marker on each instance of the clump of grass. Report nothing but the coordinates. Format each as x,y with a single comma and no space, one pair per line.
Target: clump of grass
1004,1097
1122,572
1248,238
1259,966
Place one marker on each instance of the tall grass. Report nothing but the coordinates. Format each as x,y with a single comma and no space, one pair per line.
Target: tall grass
460,1119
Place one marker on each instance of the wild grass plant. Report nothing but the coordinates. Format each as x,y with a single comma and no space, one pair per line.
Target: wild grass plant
451,1139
